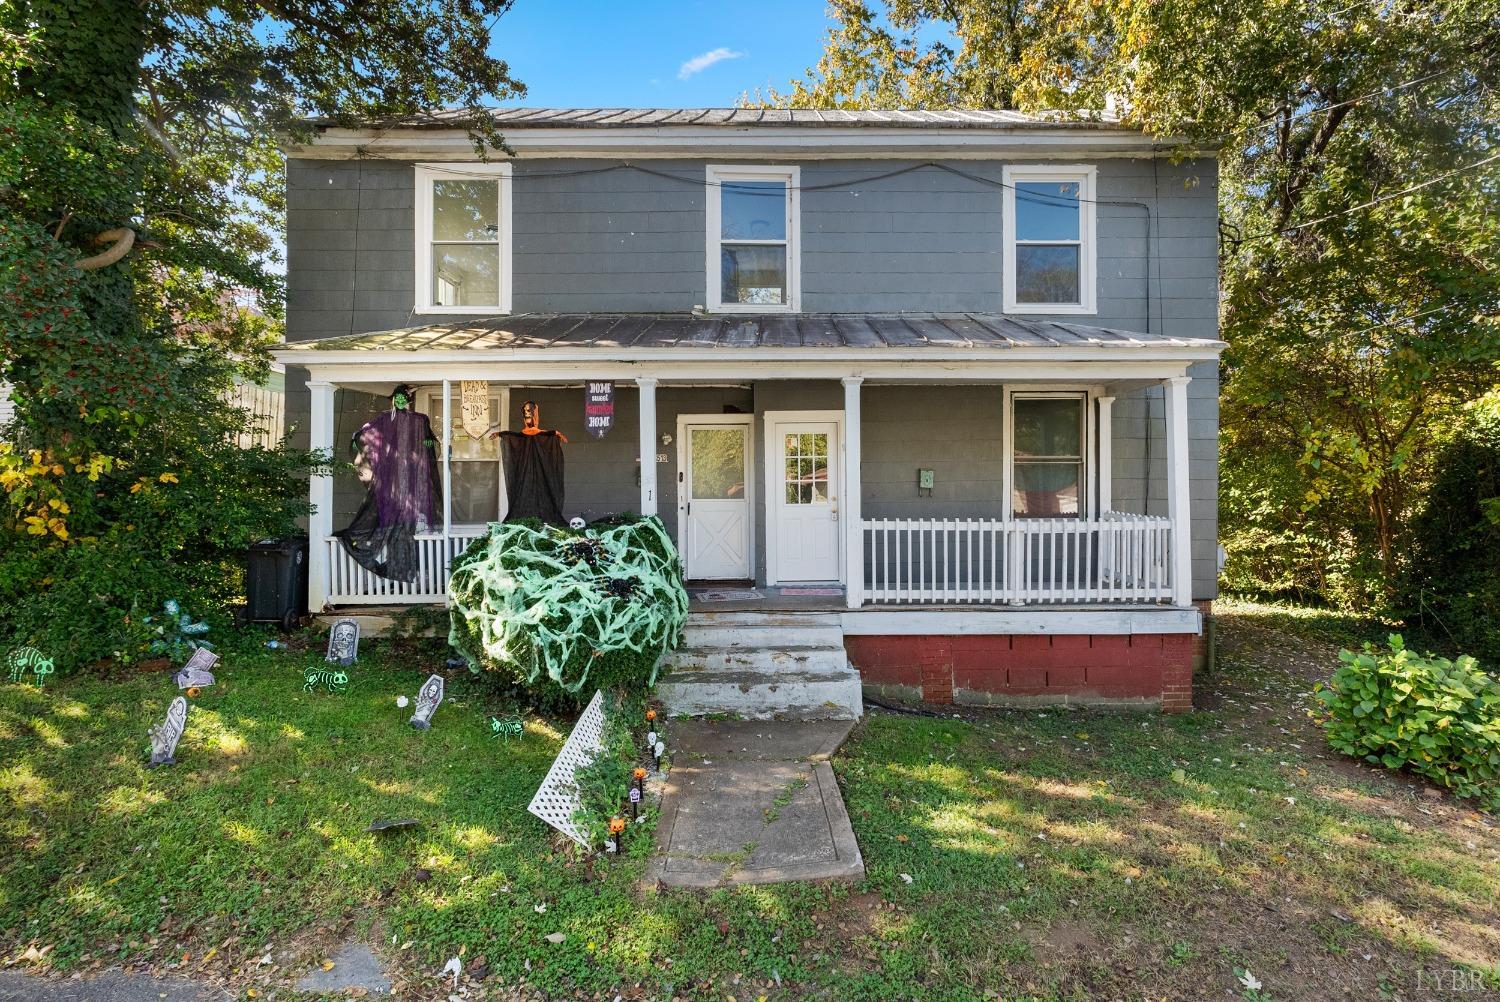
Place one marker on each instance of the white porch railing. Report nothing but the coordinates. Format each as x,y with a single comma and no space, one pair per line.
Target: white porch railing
351,584
1116,557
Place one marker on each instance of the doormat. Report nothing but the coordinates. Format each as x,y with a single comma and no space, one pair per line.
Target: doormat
811,591
727,595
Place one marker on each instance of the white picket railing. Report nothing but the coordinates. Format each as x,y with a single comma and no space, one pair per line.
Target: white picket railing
1117,557
351,584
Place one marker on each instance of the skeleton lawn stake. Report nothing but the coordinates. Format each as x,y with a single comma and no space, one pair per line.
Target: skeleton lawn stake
331,679
164,736
25,659
507,728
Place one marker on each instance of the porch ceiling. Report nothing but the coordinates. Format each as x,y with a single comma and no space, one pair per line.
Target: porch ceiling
661,335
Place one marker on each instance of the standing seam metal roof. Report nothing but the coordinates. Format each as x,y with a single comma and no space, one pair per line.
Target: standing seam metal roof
583,118
979,331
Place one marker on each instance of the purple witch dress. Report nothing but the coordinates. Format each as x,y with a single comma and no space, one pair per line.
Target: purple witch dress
398,455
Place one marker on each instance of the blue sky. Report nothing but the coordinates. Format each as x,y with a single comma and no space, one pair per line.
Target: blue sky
656,53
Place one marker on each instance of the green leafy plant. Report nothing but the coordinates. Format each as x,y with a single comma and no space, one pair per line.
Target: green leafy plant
1452,583
1398,708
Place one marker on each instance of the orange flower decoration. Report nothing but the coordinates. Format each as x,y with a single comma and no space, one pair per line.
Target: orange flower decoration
616,825
650,714
640,773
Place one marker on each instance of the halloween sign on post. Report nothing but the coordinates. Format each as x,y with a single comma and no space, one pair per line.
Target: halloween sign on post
598,407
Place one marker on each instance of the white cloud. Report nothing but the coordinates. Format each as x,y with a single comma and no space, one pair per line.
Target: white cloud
702,62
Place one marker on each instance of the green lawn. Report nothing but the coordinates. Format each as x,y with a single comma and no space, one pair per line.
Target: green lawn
1054,855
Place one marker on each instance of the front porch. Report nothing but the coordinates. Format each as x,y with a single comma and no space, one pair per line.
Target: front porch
1035,483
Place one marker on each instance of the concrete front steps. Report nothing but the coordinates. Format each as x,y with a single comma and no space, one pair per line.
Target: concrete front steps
761,666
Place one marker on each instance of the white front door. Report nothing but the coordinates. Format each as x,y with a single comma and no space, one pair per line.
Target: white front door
715,499
804,504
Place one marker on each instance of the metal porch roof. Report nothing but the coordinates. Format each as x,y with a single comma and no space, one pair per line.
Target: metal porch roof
855,331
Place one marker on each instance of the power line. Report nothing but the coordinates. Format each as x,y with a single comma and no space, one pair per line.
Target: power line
1272,122
848,183
1021,194
1372,202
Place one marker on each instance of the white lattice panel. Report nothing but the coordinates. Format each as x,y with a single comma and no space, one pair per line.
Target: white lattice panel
557,798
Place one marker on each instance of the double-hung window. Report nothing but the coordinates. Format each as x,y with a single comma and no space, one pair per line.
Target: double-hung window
476,464
1048,446
463,238
753,223
1050,243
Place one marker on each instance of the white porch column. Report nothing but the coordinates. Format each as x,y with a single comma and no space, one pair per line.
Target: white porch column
1179,500
447,465
1106,454
854,531
320,493
647,386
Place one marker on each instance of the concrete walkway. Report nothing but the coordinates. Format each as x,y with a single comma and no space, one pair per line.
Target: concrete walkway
754,802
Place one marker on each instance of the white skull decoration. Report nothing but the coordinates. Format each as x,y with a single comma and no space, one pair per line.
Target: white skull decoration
576,523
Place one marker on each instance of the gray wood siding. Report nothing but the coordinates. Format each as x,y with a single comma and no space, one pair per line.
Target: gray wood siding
926,240
631,242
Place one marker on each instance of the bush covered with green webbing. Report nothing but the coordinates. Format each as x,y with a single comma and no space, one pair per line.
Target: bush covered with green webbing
557,608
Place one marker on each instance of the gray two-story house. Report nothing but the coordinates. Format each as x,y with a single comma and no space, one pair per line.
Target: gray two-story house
943,383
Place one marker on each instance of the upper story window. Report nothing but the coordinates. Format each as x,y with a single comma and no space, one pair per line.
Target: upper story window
753,246
1050,246
463,238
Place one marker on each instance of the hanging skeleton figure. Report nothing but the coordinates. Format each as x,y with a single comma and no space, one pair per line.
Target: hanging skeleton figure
397,459
533,468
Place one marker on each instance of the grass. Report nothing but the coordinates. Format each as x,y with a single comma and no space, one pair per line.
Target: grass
1051,855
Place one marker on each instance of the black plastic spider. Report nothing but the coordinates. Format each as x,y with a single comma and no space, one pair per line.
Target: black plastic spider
621,587
587,551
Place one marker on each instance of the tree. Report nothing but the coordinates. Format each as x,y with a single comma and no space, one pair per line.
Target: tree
1360,314
140,199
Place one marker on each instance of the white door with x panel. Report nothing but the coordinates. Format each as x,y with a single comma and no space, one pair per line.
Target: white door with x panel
715,498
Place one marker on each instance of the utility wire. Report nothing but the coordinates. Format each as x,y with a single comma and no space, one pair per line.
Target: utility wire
850,183
1321,109
1021,194
1372,202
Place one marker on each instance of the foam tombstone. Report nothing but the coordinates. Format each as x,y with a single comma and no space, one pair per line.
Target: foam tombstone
429,697
164,736
196,674
343,643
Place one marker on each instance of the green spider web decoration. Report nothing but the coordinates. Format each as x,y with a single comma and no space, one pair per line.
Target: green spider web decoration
597,606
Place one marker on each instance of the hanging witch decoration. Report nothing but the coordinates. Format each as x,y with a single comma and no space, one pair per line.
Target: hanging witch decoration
397,459
533,468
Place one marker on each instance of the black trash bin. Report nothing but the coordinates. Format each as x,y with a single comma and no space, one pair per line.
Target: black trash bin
276,582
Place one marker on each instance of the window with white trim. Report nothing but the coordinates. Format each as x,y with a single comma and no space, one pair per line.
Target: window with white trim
753,229
477,464
1048,450
1050,245
463,238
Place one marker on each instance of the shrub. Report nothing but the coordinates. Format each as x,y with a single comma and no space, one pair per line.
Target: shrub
181,534
1438,717
557,609
1452,584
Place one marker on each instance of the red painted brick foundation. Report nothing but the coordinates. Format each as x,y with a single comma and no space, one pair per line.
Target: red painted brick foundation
1145,669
